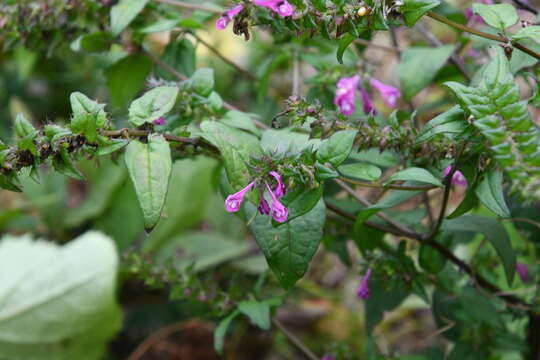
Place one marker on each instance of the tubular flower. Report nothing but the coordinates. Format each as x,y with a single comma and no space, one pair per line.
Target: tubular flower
523,272
282,7
160,121
264,208
388,93
233,202
363,289
457,179
228,16
367,104
279,212
279,190
345,92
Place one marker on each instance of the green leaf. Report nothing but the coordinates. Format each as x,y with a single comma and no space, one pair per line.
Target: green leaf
288,249
126,78
363,171
149,167
221,330
494,232
155,103
202,81
490,193
123,13
415,174
385,295
413,10
499,16
7,183
337,148
64,165
257,311
503,118
451,121
236,147
430,259
344,43
281,143
239,120
529,32
88,116
180,55
430,60
301,200
35,321
96,42
324,172
160,26
24,128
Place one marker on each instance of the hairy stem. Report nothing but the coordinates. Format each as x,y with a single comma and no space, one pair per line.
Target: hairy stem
470,30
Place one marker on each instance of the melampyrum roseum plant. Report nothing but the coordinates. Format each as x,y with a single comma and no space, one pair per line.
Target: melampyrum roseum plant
422,173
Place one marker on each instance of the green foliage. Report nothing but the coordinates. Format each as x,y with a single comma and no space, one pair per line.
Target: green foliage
504,120
88,116
490,193
152,105
413,10
124,13
529,32
362,171
499,16
430,60
289,248
257,311
149,165
126,78
337,148
415,174
35,322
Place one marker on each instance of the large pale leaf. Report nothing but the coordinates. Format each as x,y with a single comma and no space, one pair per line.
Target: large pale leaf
57,302
500,16
149,167
289,248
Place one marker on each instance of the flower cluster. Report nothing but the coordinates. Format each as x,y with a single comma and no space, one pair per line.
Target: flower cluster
279,212
346,89
457,179
281,7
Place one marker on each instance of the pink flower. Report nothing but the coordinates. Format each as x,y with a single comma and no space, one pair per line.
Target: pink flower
279,212
388,93
367,104
363,289
233,202
228,16
457,179
281,7
279,190
523,272
345,94
264,208
160,121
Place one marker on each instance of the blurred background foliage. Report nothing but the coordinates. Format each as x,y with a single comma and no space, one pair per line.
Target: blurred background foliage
176,283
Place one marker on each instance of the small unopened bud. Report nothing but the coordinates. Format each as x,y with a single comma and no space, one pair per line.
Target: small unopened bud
363,11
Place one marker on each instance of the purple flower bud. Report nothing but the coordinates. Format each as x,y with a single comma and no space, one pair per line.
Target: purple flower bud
160,121
457,179
228,16
222,22
345,91
233,202
279,190
523,272
363,289
279,212
388,93
282,7
264,208
367,104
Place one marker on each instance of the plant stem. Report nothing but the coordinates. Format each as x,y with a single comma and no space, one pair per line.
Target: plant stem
295,340
470,30
389,186
525,6
190,6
